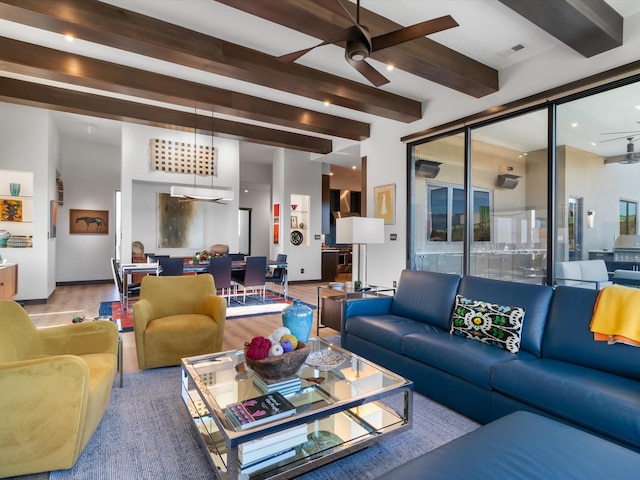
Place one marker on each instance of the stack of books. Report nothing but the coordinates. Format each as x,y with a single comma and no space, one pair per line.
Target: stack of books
271,449
285,387
256,411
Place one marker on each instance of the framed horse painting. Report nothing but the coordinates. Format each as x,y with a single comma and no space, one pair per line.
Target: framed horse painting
89,222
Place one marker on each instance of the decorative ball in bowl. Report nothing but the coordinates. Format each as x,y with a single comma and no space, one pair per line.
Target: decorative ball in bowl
282,366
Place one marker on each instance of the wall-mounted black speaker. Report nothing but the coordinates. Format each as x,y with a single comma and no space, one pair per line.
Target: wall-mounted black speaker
507,181
427,168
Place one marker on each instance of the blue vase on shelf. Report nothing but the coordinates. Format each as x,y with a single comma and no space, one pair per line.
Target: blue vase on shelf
298,318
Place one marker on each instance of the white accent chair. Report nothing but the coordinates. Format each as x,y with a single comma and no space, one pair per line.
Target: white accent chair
583,273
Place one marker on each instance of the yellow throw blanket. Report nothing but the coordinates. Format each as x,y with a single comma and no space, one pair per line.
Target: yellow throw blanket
616,316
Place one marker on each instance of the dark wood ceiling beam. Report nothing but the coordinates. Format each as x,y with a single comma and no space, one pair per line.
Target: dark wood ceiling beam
42,62
54,98
422,57
108,25
589,27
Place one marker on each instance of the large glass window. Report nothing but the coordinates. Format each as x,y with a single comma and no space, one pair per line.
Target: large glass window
628,211
596,177
438,202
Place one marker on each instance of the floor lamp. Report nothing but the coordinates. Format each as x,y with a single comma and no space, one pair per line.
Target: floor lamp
360,231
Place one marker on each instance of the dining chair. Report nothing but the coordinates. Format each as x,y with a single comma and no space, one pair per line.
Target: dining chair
278,274
220,268
133,289
171,267
253,277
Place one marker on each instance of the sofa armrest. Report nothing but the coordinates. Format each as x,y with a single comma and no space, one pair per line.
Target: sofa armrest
142,315
42,424
80,338
367,306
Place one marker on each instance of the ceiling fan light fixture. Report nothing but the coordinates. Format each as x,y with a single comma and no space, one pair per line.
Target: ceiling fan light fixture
357,50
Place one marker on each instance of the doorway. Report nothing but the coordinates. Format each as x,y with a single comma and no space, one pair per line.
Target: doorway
244,230
575,229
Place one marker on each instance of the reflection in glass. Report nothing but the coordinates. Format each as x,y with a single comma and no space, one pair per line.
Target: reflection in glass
437,213
509,187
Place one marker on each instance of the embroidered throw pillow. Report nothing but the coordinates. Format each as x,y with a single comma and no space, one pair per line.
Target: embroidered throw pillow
488,323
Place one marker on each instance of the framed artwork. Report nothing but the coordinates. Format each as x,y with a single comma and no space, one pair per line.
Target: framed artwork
180,224
294,221
276,223
53,218
10,210
89,222
385,203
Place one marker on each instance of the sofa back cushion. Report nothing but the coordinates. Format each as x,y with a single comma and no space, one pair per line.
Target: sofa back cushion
19,339
568,338
426,297
178,294
535,299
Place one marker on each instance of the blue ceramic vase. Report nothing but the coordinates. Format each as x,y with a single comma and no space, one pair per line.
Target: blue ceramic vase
298,318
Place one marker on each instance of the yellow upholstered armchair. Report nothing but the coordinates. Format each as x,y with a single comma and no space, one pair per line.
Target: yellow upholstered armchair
55,384
177,317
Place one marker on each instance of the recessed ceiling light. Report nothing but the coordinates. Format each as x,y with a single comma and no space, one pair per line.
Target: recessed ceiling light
327,103
574,124
593,144
69,38
390,68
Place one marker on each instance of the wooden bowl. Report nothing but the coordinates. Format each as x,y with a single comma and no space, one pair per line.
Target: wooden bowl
282,366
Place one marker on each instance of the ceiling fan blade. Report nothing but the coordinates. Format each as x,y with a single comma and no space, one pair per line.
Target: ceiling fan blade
631,139
368,72
412,32
341,35
615,159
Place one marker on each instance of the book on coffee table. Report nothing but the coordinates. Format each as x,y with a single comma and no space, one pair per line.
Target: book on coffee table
285,386
268,447
259,410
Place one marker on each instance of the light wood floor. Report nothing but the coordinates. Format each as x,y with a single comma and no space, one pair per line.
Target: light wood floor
70,301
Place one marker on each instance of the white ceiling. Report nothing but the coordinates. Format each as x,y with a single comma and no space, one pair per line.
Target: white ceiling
487,29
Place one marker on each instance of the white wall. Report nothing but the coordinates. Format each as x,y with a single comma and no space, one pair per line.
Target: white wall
295,174
140,186
256,179
24,146
91,175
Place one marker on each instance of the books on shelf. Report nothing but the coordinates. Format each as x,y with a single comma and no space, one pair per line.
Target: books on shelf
285,387
257,466
271,445
257,411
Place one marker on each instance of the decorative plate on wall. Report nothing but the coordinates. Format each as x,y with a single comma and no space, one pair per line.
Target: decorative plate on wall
296,237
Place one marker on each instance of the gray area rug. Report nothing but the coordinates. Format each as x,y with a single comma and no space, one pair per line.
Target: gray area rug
146,433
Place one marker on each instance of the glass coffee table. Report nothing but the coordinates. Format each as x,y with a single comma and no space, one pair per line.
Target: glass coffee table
343,403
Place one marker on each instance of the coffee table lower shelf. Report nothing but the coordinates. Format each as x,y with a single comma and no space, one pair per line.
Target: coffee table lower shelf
339,411
338,435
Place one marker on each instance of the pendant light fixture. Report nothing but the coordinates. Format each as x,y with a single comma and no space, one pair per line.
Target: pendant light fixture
217,195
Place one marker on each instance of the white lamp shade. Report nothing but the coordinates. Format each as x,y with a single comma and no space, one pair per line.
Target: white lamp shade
359,230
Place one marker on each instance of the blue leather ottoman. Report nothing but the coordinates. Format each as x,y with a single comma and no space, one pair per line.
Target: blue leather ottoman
523,445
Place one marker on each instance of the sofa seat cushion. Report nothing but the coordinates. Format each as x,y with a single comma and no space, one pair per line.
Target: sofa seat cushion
523,445
386,330
599,401
177,336
471,361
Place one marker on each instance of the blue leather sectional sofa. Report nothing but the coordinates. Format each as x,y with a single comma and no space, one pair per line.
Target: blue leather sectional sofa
559,372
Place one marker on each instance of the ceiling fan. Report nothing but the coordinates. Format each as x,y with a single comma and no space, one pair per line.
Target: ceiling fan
360,44
627,158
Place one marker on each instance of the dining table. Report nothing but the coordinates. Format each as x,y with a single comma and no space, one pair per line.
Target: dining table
129,269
